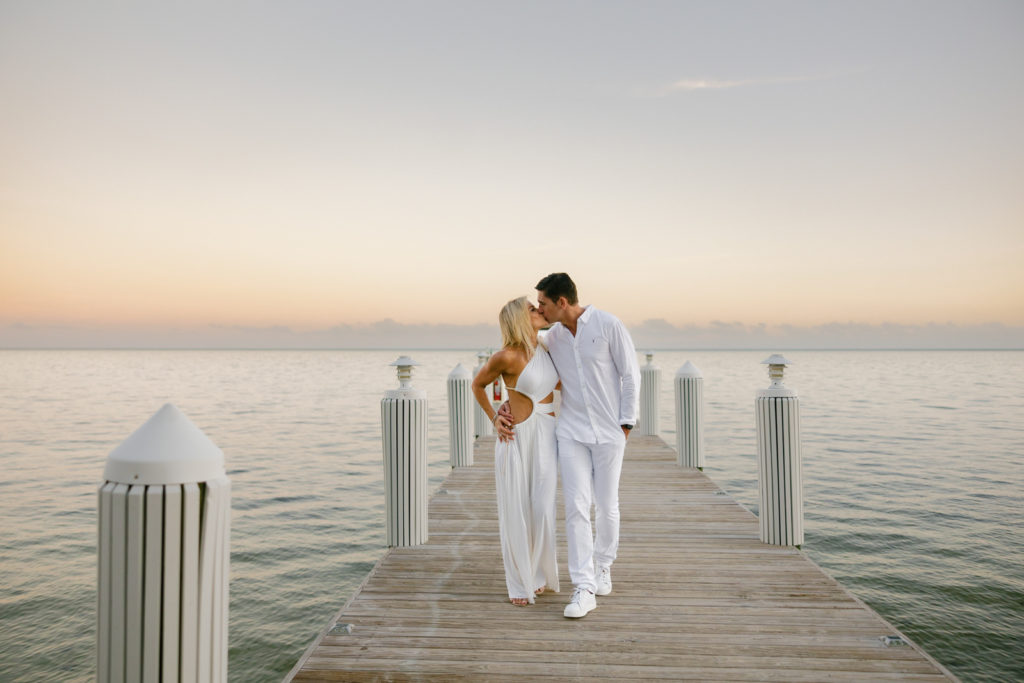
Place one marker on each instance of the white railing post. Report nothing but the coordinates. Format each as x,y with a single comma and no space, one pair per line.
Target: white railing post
689,389
164,556
778,464
460,421
404,435
481,425
650,389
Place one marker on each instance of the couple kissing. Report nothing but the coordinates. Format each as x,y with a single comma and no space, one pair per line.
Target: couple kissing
587,354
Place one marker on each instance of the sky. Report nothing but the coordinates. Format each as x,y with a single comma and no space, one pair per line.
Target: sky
717,174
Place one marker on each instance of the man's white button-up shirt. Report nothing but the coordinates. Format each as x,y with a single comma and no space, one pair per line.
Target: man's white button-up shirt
600,377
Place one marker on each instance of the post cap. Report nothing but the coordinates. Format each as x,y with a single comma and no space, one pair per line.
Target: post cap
776,368
483,355
459,372
167,449
405,388
688,370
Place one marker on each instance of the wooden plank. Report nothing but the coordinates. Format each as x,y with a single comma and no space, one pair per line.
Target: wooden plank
188,651
710,646
134,600
104,581
372,669
171,582
697,597
633,657
153,584
118,564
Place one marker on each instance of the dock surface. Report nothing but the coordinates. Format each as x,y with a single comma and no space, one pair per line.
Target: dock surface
696,596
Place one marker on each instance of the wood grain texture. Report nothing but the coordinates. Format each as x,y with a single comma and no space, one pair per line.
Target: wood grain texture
696,596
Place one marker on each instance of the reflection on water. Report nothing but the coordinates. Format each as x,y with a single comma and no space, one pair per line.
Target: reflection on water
913,464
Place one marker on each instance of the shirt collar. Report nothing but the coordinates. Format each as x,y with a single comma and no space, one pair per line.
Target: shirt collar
585,316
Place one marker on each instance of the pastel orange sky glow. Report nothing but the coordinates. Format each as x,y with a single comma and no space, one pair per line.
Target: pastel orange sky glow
317,166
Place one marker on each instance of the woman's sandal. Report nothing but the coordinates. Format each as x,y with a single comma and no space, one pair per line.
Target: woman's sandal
523,602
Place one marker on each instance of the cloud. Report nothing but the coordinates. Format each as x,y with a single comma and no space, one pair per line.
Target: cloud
384,334
389,334
660,334
693,84
704,84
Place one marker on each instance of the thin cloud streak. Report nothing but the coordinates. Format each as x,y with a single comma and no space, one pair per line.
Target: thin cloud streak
695,84
703,84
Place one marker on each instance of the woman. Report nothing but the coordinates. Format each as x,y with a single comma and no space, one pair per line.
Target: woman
525,469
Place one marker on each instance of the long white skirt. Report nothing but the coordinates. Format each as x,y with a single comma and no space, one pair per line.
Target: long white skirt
525,474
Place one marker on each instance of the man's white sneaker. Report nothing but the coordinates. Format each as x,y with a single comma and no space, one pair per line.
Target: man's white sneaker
604,580
582,602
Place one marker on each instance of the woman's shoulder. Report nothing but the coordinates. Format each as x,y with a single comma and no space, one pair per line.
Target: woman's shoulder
508,355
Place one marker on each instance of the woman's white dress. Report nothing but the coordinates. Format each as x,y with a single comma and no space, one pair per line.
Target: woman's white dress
525,473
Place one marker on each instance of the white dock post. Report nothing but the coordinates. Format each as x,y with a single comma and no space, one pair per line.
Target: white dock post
481,425
499,394
650,389
404,431
779,466
163,566
689,386
460,422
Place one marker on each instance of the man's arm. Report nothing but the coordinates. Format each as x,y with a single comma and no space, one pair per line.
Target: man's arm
620,345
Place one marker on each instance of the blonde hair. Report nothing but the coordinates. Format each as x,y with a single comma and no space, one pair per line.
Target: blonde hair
516,329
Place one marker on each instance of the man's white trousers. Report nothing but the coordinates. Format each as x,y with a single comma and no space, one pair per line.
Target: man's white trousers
590,476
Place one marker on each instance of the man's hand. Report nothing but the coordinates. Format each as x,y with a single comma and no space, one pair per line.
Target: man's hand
504,423
626,431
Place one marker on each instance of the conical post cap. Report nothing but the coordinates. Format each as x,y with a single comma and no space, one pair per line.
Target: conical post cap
460,372
688,370
167,449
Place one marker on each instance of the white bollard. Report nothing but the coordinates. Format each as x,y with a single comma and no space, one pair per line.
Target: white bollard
404,435
650,389
481,425
164,556
778,465
460,422
689,386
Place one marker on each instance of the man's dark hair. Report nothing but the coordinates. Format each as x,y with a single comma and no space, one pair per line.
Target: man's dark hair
558,285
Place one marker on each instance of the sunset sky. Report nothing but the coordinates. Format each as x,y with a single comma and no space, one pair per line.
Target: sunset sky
292,168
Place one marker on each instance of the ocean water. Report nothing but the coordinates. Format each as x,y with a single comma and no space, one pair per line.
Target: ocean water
913,468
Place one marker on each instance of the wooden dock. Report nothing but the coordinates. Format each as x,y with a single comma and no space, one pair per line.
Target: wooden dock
696,596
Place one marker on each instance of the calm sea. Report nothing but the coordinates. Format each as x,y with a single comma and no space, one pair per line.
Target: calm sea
913,464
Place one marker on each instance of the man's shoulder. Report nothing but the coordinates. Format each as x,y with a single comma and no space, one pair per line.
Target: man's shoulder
602,316
557,337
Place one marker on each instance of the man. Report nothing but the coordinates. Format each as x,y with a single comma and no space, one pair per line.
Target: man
596,363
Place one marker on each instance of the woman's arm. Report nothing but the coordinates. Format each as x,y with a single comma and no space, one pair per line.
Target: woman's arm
499,364
492,369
